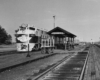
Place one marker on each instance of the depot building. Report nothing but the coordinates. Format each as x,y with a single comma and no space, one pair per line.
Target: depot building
63,39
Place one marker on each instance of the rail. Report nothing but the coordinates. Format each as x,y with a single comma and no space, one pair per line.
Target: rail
74,70
84,67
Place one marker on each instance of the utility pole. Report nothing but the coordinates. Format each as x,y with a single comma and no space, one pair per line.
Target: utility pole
91,41
99,39
54,20
28,53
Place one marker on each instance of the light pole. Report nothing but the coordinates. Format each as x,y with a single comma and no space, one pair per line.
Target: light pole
28,54
54,20
99,39
91,41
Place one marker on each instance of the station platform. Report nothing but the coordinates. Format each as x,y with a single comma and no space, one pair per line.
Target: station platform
11,60
8,61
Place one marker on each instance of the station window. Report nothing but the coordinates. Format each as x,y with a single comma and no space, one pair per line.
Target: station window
61,40
66,38
51,42
42,36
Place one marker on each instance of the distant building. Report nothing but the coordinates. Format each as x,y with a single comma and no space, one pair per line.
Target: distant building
76,41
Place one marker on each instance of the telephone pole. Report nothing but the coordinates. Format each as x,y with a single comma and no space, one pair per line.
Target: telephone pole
54,20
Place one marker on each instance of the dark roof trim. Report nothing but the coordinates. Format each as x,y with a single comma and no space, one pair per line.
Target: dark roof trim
66,32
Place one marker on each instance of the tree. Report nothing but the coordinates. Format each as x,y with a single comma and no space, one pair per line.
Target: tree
4,36
9,39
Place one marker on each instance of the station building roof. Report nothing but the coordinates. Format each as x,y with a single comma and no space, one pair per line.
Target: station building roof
57,31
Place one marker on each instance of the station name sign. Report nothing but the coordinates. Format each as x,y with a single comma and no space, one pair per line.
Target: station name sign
57,33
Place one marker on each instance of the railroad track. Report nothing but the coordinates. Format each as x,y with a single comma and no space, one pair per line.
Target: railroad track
69,68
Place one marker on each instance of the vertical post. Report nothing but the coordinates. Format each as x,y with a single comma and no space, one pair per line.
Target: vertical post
73,42
91,41
65,43
28,54
54,20
99,39
68,43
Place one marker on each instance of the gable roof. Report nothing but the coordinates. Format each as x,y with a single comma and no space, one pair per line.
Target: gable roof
58,29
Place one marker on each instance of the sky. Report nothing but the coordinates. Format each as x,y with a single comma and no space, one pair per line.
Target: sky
80,17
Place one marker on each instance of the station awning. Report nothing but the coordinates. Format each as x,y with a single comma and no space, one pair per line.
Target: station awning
57,31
